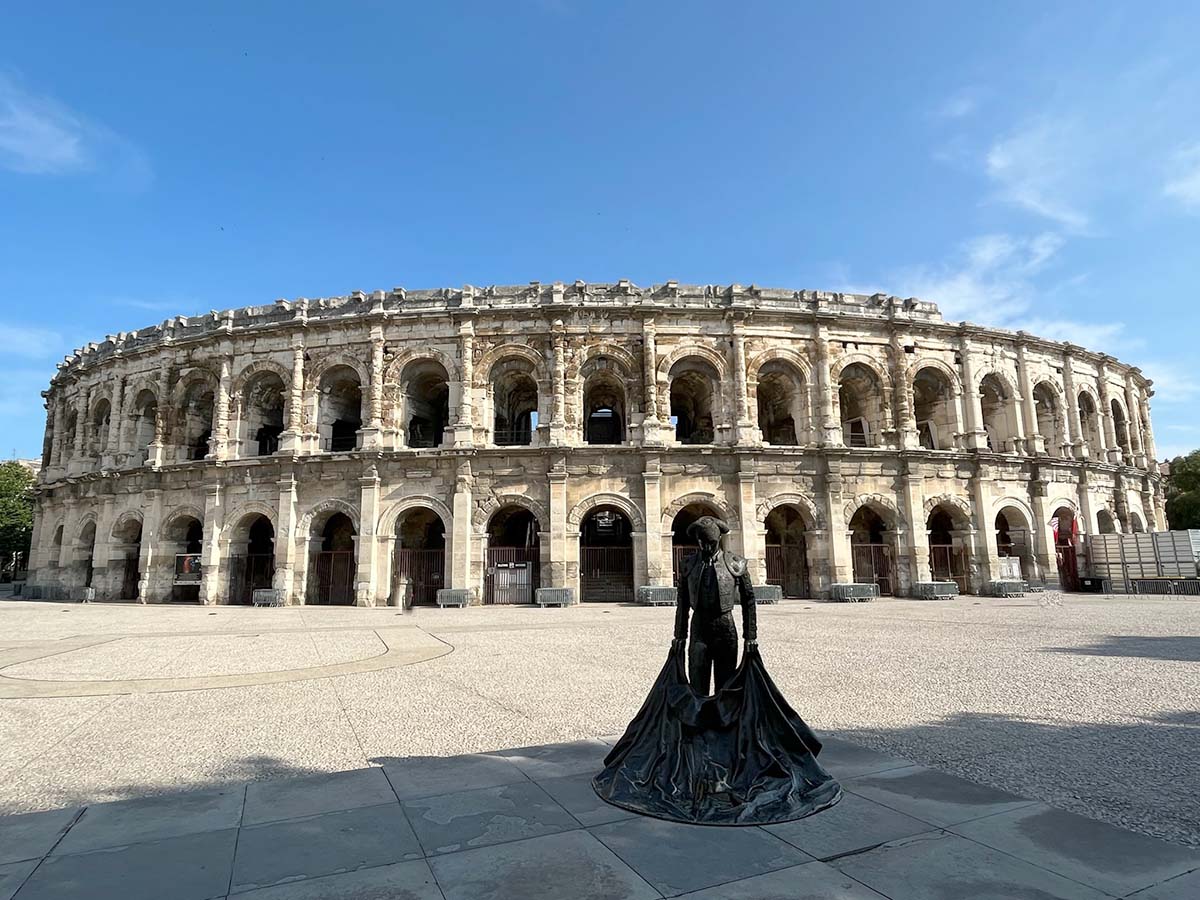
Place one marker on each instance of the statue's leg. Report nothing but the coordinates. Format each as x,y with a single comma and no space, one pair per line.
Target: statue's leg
700,664
723,641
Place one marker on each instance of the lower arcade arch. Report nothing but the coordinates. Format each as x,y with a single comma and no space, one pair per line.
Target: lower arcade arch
787,552
251,557
512,564
333,541
871,550
949,547
606,558
85,550
1014,546
1064,526
683,546
419,558
183,543
125,557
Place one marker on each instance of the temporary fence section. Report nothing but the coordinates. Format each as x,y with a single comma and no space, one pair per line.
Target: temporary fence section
1159,562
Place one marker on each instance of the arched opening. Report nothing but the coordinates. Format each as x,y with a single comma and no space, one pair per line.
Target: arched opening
693,400
606,556
85,549
68,442
145,418
1105,523
1089,425
949,554
514,403
197,419
1136,525
126,551
999,414
871,550
420,558
603,408
683,546
781,402
787,552
184,541
339,409
1121,429
860,400
1049,419
513,557
252,558
426,388
1065,530
1014,546
332,564
101,422
262,414
934,409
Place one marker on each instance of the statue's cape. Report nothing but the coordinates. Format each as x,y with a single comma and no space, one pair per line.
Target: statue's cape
740,757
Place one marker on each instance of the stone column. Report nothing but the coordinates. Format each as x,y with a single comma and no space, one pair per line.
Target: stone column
1087,510
60,428
463,434
116,414
1041,534
558,523
651,423
78,462
838,545
125,432
460,545
287,542
658,570
1035,444
212,573
365,588
986,550
220,429
1148,433
1109,449
1136,439
974,434
1079,447
156,452
918,535
290,437
70,527
826,406
558,422
148,549
753,544
102,549
906,422
745,431
372,434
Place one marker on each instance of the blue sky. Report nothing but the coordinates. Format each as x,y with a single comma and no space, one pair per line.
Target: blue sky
1021,164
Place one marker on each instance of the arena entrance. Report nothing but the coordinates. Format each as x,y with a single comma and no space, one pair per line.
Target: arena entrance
331,569
127,548
948,557
252,568
606,557
513,557
419,565
185,535
682,546
1065,528
787,552
1013,545
870,552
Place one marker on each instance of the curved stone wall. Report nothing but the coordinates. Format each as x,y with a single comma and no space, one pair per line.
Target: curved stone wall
375,447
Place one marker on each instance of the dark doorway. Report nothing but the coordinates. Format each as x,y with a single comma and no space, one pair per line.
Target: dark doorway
331,572
1065,528
870,553
947,561
255,569
787,552
420,560
513,557
606,557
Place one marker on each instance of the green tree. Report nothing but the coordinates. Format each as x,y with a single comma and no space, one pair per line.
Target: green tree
16,511
1183,492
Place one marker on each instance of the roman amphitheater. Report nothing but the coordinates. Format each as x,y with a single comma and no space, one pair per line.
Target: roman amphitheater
504,444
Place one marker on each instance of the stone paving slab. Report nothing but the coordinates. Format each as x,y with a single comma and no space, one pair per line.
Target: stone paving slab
512,826
1094,853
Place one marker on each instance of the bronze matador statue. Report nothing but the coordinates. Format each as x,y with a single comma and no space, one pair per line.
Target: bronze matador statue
737,754
712,583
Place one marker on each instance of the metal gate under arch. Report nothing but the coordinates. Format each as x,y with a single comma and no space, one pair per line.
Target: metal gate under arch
787,567
873,565
423,570
331,578
606,574
513,574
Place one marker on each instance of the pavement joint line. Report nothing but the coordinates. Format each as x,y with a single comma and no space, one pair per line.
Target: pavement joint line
362,751
85,721
237,839
46,855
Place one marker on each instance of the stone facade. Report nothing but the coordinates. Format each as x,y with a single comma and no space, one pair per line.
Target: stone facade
561,434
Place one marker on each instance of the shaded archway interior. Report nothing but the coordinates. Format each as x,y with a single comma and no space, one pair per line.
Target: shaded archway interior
606,556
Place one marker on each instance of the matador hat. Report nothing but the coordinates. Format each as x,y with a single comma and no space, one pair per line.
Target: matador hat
707,527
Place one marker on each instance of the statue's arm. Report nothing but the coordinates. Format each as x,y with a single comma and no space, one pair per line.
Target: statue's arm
682,607
749,607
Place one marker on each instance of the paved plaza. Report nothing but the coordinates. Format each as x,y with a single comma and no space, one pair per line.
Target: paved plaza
303,752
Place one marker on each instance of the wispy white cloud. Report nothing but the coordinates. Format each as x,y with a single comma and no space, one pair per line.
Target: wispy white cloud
961,103
42,136
31,343
1035,167
1173,383
1183,180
